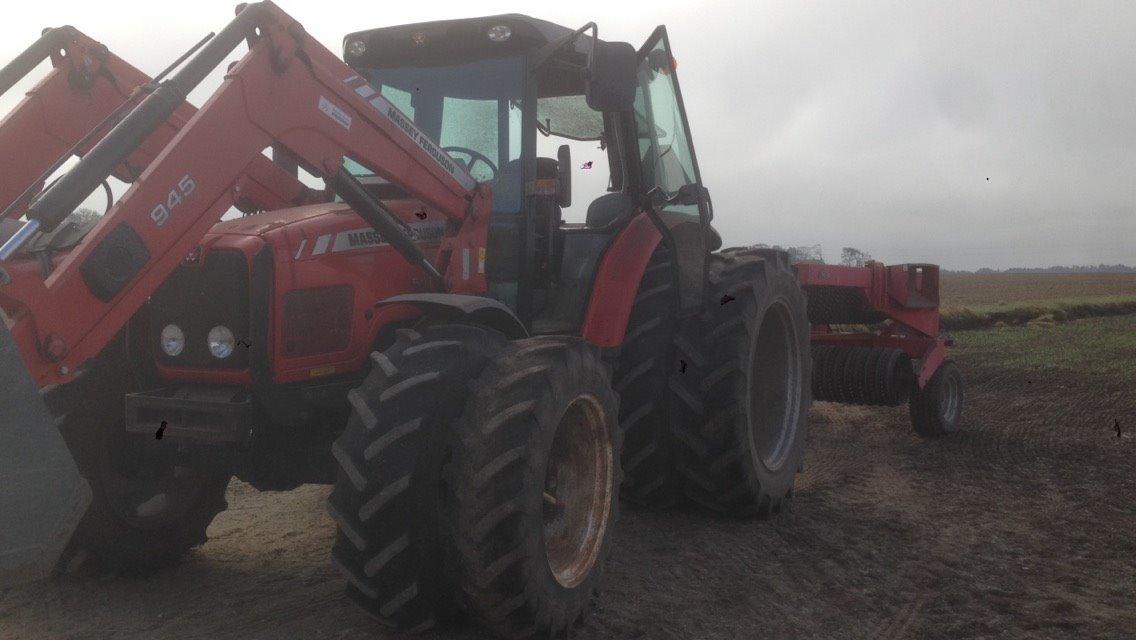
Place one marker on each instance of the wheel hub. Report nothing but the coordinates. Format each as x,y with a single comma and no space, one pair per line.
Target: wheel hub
578,489
950,399
775,393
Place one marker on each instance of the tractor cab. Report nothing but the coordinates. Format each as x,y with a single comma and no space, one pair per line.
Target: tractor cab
486,88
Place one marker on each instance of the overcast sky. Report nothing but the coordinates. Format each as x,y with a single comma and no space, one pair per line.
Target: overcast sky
968,134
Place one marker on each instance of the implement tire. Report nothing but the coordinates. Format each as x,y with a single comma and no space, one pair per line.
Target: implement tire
386,497
741,407
936,409
534,487
640,378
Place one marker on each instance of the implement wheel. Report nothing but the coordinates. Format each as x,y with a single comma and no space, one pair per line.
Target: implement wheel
534,487
936,409
741,406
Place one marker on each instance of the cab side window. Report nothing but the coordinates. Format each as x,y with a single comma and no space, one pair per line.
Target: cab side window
664,144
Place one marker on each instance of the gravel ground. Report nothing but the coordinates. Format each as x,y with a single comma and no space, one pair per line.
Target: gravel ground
1019,527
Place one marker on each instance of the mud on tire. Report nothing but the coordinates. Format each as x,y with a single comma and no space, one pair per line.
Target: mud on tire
534,487
640,378
386,497
740,408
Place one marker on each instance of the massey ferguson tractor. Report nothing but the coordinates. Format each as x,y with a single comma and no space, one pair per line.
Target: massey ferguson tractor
479,380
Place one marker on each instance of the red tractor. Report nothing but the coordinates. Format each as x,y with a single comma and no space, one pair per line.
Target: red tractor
479,379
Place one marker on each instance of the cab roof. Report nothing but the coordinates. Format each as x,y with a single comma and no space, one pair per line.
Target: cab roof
450,41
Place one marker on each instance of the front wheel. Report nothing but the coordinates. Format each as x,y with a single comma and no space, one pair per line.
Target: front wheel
386,497
148,507
533,486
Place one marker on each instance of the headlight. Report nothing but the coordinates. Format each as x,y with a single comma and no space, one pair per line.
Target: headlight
499,33
172,340
221,342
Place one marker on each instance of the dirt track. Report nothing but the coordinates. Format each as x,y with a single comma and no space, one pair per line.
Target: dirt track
1021,527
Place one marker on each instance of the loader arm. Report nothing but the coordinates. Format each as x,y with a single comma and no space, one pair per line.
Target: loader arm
289,92
62,115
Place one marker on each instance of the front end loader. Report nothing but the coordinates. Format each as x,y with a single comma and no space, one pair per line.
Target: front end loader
479,380
88,90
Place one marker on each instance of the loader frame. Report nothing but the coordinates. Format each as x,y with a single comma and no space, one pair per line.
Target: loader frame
87,91
64,319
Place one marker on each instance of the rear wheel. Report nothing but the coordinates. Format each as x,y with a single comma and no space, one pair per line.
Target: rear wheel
741,405
386,496
534,487
640,378
936,409
148,507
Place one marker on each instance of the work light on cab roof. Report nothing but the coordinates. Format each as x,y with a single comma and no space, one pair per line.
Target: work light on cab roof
499,33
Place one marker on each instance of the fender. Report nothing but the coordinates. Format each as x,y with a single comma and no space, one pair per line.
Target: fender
617,282
451,306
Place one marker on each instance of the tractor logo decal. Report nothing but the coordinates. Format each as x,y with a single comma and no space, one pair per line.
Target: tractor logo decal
357,239
366,237
391,112
335,113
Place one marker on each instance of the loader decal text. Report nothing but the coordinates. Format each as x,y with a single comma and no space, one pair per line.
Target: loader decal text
391,112
335,113
185,187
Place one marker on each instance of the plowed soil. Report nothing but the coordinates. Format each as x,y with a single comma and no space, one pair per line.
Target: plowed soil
1021,526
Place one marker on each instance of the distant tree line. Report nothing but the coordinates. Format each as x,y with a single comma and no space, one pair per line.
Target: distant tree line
853,257
811,253
849,256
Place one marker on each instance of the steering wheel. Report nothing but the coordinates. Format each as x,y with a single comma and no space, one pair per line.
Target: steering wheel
474,157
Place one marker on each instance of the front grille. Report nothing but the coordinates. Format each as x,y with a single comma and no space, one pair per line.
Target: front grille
198,298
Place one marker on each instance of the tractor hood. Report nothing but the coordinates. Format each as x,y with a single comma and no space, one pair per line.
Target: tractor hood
262,223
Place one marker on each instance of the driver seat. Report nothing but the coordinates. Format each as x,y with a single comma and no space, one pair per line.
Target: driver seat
547,213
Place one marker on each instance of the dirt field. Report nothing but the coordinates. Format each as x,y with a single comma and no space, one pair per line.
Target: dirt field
972,301
997,288
1019,527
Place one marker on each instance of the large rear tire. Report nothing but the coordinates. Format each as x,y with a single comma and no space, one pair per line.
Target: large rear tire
386,496
148,507
534,487
645,363
741,405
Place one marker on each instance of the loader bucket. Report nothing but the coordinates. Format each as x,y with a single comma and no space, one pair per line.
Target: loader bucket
42,495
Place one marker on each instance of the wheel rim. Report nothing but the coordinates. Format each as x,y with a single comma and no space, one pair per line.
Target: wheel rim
578,490
775,387
950,399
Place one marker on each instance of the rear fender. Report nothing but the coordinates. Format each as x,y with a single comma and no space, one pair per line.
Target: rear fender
617,281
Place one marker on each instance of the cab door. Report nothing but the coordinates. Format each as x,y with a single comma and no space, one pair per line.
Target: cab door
667,163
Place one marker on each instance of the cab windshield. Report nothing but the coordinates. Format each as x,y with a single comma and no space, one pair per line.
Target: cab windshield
473,111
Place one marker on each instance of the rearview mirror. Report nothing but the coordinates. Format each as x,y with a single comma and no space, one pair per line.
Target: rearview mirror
610,82
688,194
691,194
564,176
